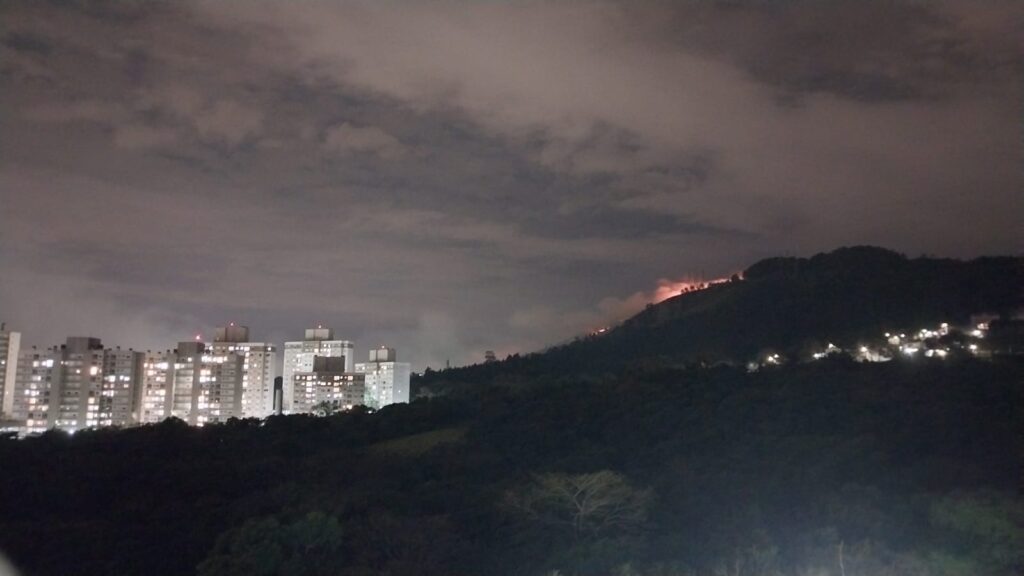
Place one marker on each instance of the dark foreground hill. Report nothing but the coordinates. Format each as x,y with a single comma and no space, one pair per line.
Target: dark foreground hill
788,305
826,469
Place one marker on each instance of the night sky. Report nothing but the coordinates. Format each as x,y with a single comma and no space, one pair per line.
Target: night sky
453,177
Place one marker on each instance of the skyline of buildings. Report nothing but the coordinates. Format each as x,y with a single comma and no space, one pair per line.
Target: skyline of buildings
83,384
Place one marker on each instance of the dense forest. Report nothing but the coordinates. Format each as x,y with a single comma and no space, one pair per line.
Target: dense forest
835,467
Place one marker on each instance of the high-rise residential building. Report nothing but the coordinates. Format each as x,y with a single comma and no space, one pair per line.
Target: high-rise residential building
257,371
298,357
387,380
10,344
205,387
195,382
208,387
328,385
38,373
156,386
77,385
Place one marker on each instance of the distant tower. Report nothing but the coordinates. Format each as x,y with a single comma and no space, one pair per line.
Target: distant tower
489,357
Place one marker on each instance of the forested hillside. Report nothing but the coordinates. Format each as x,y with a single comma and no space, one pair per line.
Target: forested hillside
789,305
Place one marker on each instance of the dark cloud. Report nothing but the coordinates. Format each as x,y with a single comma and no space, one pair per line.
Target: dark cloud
456,177
867,51
27,43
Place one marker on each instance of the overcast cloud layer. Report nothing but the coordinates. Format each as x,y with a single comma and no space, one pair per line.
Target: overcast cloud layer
454,177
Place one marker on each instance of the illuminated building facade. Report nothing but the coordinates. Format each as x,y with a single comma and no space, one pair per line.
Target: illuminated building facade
37,371
327,386
299,356
195,382
77,385
206,387
387,380
259,360
156,386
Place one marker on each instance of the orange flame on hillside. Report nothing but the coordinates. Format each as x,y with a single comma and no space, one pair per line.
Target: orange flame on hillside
669,289
617,310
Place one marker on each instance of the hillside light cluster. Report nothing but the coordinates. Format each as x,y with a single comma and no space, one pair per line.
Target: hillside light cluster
939,342
829,350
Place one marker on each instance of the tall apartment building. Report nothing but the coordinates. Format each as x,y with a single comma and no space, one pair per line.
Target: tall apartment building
10,344
77,385
258,368
156,386
194,382
38,370
298,357
387,380
328,384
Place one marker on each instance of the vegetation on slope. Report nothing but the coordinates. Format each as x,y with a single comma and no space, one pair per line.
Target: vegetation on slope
789,305
896,468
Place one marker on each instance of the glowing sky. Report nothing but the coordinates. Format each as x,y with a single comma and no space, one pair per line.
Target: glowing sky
453,177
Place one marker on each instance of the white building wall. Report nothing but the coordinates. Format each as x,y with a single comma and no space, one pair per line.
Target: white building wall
259,362
206,387
10,346
221,388
76,386
156,387
386,382
37,371
121,375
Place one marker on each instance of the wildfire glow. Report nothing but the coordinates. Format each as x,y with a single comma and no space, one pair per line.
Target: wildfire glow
616,310
668,288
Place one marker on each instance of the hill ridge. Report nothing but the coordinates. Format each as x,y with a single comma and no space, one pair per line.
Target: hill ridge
779,303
